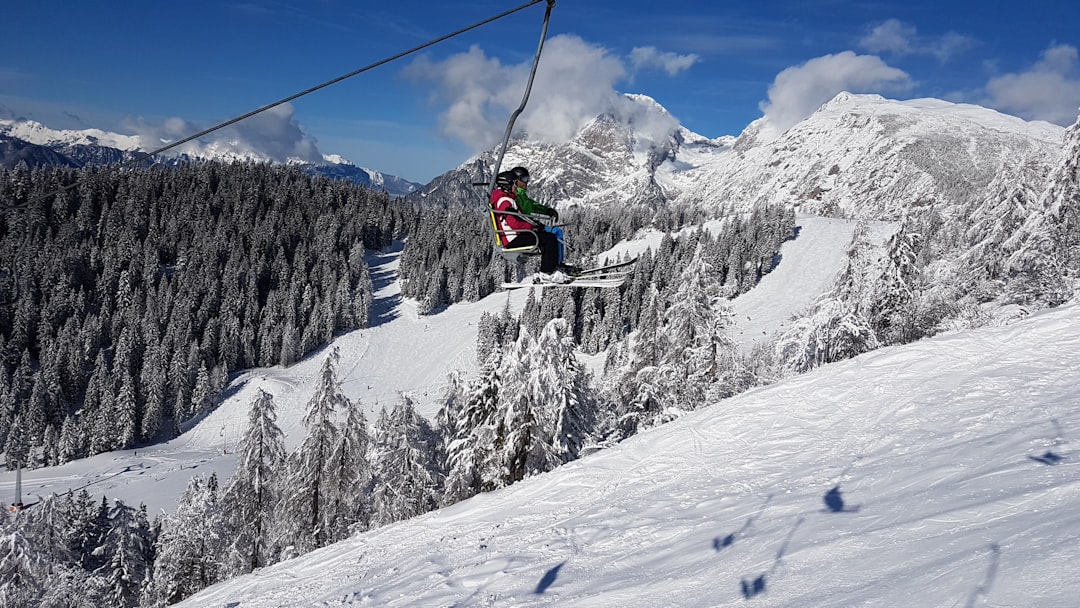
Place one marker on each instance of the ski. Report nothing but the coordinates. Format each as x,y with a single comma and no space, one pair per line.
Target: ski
610,275
607,269
589,281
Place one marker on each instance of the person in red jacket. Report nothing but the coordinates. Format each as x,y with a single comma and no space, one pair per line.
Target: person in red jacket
515,214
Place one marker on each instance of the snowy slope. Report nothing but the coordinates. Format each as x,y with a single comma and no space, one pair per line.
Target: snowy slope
821,248
918,475
400,352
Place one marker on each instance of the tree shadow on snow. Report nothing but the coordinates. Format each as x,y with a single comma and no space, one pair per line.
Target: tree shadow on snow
383,308
548,579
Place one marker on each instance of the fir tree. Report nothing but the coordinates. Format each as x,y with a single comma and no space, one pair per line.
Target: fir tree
348,505
469,425
305,518
128,553
408,474
21,569
189,546
250,500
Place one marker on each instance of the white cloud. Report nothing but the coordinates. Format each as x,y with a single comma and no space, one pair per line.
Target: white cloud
272,134
575,82
899,38
799,90
893,36
1049,91
671,63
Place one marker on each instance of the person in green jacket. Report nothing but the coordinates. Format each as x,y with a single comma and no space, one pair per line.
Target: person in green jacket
518,179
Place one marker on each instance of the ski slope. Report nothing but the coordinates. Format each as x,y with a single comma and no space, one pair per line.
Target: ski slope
401,352
940,473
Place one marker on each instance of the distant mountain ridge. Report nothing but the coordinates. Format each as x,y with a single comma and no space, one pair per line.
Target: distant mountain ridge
38,145
860,156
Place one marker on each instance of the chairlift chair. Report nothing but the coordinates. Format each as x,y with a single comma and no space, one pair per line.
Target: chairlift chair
512,254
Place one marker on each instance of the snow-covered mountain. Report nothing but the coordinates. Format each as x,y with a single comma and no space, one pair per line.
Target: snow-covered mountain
868,157
859,156
97,147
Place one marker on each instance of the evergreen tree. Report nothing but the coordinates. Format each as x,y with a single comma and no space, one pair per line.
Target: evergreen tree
694,325
128,554
17,447
189,546
469,425
21,569
250,500
562,388
305,521
644,390
408,474
348,496
545,408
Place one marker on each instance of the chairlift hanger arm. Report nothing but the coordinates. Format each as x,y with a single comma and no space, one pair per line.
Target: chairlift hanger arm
525,97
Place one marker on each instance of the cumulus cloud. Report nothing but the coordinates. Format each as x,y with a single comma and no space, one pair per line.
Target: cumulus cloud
672,63
271,135
899,38
799,90
1049,90
575,82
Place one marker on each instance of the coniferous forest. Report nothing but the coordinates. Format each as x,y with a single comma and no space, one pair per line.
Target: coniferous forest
134,295
138,292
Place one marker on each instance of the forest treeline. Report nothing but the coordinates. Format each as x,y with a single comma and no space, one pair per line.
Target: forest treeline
134,294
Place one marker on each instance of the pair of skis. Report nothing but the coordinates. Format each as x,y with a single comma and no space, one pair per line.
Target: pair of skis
611,275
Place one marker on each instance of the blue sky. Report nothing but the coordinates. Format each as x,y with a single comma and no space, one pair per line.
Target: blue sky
172,69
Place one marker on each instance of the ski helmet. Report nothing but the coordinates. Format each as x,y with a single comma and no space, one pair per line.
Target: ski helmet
520,173
506,179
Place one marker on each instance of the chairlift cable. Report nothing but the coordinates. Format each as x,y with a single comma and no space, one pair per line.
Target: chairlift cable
146,155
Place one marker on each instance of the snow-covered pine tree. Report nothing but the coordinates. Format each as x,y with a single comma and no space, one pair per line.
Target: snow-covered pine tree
21,571
545,411
348,504
1044,266
408,474
128,555
189,546
639,393
250,499
303,517
894,311
17,447
694,325
468,424
561,387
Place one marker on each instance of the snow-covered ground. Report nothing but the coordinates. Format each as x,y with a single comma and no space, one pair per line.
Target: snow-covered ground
808,265
940,473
